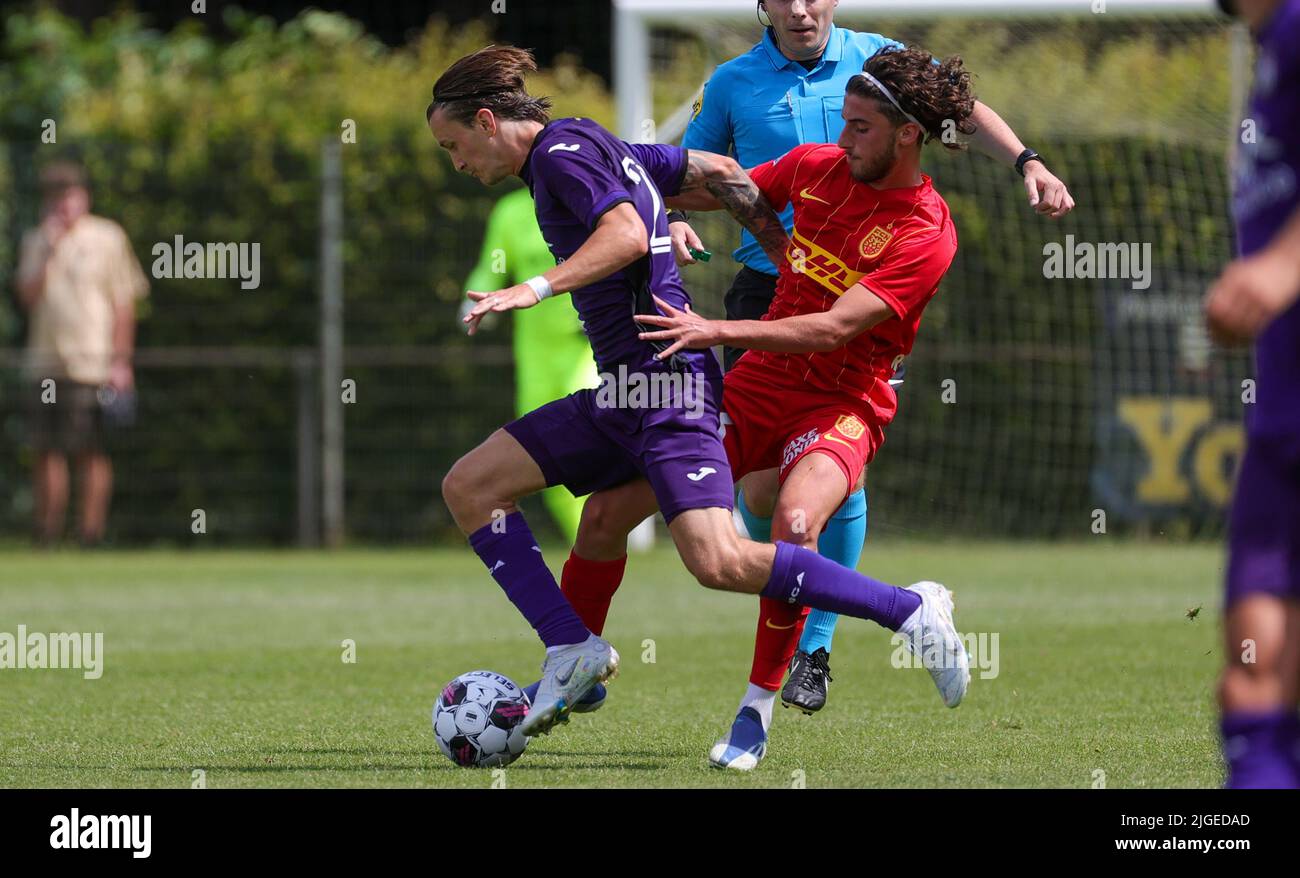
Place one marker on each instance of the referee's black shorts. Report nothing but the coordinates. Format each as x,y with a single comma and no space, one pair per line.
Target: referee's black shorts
748,299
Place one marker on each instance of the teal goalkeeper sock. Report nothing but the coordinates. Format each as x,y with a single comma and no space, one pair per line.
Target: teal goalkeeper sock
841,542
760,529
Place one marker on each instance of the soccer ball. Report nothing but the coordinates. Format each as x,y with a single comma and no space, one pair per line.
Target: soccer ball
476,720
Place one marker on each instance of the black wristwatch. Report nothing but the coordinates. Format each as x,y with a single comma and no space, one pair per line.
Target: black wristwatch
1025,157
677,216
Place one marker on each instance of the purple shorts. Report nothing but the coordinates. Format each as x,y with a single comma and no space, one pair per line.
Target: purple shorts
587,444
1264,527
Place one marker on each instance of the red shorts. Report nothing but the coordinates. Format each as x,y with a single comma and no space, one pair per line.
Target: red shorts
770,427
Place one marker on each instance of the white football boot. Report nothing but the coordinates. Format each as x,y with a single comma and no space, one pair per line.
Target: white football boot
942,651
568,673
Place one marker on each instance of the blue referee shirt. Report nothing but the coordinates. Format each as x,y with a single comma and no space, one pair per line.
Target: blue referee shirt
761,105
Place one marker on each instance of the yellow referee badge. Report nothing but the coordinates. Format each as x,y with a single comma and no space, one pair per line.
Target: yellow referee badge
875,242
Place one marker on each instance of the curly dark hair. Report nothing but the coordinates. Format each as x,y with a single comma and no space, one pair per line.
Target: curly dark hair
492,77
935,93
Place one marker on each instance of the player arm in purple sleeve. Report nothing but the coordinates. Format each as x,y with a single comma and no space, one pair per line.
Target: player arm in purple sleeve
718,182
592,191
666,165
619,239
1255,290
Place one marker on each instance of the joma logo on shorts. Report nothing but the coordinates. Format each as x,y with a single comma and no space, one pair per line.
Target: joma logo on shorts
798,446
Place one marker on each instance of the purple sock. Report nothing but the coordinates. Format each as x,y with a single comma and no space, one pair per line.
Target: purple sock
800,576
1262,749
515,562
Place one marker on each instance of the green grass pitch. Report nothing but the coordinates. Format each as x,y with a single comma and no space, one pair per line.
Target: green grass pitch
232,662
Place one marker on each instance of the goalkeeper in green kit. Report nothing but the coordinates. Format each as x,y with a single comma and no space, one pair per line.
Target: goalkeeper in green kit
552,356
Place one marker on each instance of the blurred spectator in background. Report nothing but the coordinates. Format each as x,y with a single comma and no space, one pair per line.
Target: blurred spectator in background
552,355
78,281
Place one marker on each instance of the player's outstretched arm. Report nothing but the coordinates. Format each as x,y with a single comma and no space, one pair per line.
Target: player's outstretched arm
619,240
717,182
853,313
994,137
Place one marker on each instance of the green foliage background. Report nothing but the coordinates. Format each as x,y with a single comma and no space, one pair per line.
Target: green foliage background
183,135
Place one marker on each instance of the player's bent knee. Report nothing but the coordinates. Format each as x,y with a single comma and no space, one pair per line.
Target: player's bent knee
602,527
453,485
714,576
760,495
718,569
796,526
464,486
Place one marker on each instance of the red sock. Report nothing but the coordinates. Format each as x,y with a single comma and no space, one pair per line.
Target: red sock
780,625
590,586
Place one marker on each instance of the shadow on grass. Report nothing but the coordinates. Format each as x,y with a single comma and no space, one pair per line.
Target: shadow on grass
406,760
616,754
594,766
349,751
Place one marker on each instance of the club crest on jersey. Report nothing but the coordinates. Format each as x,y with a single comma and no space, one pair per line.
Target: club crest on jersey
850,426
697,106
875,242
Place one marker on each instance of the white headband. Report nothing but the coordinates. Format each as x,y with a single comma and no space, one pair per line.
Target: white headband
887,93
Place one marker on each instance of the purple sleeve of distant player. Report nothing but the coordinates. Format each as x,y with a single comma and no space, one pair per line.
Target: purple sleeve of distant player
666,165
1267,189
577,174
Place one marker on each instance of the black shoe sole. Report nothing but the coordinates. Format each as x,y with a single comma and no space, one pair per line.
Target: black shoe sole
807,711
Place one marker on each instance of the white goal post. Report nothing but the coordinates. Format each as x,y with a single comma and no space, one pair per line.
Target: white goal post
632,20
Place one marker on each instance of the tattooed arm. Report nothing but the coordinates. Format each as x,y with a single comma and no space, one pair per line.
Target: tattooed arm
716,182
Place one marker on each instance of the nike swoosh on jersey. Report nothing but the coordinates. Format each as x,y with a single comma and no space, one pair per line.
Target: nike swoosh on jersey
804,194
836,439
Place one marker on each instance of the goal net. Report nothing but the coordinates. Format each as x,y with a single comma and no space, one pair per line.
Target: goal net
1046,396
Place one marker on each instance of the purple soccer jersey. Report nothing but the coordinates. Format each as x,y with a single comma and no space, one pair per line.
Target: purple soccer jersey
596,439
577,171
1267,194
1264,528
